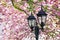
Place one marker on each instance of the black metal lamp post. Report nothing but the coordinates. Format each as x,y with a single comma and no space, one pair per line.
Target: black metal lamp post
31,21
36,32
41,20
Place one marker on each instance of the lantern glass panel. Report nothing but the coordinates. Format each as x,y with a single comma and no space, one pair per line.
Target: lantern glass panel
44,19
33,22
39,20
29,23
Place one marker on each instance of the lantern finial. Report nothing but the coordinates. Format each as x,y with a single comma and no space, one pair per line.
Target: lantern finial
31,14
41,7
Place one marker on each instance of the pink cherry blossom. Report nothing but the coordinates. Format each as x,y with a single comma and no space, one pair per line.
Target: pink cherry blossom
15,26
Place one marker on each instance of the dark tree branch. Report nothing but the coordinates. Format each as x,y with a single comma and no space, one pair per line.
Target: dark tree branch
18,7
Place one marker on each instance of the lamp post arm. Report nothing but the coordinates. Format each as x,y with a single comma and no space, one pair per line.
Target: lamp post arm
42,26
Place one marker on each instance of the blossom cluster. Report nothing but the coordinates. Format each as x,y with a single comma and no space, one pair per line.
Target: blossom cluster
14,25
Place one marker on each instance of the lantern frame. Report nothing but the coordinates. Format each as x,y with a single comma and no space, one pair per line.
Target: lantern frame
32,20
41,16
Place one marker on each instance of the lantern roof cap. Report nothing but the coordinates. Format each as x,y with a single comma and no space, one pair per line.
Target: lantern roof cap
31,17
41,12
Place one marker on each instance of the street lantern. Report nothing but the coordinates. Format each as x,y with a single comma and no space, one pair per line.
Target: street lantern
31,21
42,17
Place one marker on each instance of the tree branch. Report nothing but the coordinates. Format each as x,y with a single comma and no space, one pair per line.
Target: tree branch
18,8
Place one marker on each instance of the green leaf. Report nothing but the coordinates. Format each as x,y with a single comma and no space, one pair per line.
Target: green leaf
30,2
57,16
45,8
53,6
40,0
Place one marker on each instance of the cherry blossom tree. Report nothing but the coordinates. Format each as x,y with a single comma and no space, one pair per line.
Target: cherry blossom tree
13,19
